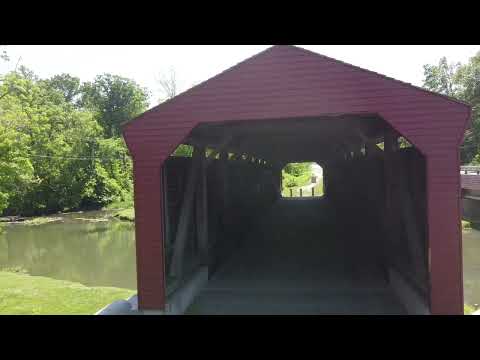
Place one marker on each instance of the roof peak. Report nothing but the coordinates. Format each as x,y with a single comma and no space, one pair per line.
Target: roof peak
281,48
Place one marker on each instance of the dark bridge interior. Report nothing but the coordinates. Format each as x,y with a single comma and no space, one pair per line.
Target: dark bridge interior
359,249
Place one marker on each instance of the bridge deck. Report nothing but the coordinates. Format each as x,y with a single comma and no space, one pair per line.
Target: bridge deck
299,265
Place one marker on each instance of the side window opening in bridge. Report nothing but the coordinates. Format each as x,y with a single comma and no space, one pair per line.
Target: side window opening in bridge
403,143
302,180
183,150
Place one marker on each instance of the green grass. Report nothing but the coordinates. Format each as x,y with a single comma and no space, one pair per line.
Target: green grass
468,310
36,295
466,225
126,214
125,210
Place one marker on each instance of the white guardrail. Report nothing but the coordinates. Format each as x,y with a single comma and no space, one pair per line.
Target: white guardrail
470,170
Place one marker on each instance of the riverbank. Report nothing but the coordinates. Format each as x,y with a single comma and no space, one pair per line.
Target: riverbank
126,214
121,210
37,295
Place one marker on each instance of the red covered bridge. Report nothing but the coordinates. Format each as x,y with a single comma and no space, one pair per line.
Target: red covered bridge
214,236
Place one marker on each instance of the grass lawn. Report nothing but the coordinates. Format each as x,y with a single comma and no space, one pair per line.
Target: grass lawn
126,214
35,295
468,310
123,209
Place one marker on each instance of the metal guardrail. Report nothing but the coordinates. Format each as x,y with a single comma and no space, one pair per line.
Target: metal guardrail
302,193
470,170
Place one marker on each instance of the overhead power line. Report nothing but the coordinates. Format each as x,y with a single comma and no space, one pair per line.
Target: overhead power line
79,158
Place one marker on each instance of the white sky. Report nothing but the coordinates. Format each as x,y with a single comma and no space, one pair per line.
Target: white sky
196,63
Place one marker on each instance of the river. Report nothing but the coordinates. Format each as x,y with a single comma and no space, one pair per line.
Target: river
102,253
471,266
80,248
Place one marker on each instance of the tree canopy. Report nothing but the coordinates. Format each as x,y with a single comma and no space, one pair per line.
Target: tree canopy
60,144
461,82
113,100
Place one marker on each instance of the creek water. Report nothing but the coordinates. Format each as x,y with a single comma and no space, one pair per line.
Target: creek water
90,248
471,266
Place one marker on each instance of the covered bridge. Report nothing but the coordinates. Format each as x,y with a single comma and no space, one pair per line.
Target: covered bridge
214,235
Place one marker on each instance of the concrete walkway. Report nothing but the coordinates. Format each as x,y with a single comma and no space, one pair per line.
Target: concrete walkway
298,264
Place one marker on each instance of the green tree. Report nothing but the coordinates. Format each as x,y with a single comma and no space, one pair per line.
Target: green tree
54,154
53,136
441,78
47,148
68,85
16,169
462,82
112,168
114,100
298,169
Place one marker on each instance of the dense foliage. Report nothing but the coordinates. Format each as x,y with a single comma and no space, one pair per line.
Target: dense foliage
462,82
296,174
60,144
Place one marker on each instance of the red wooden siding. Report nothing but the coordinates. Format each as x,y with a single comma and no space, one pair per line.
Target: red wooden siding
287,82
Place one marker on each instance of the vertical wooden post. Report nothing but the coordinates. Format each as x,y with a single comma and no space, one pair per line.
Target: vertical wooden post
390,220
185,217
301,192
224,180
408,214
444,236
149,235
166,210
291,192
202,209
313,191
325,183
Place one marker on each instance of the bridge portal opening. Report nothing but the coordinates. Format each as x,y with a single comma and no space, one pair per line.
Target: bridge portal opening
235,245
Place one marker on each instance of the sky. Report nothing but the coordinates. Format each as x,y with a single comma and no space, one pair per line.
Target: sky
193,64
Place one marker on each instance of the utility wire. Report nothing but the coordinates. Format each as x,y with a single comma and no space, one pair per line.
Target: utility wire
78,158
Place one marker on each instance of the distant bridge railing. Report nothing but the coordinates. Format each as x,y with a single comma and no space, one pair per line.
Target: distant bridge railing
469,180
470,170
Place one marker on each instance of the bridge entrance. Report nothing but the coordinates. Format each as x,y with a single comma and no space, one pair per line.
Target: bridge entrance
289,105
234,245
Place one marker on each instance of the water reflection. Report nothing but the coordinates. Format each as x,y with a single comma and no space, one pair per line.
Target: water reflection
92,253
471,266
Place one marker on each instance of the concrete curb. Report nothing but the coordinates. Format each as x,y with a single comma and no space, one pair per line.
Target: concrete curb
177,303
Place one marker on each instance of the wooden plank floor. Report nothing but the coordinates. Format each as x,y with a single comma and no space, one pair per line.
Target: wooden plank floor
297,261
